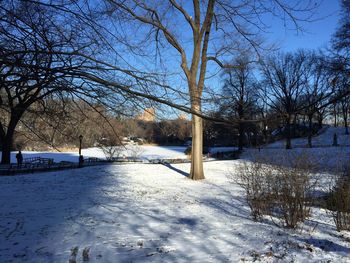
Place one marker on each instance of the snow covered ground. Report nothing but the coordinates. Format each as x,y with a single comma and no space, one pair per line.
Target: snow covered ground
325,138
144,152
150,213
154,213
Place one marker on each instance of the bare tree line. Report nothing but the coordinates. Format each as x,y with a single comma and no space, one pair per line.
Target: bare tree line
122,53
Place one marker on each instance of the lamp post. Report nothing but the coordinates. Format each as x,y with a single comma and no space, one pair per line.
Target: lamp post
81,159
80,142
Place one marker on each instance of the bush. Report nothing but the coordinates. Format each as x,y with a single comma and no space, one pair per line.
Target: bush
110,147
292,190
282,192
135,151
253,179
338,202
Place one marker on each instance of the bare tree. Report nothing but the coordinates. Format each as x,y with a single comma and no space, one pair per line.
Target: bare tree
283,74
198,33
31,69
345,106
317,90
341,45
344,101
240,94
341,39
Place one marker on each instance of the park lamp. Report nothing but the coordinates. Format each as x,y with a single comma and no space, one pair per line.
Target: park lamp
80,142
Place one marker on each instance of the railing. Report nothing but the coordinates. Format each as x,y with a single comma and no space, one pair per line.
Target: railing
38,160
34,164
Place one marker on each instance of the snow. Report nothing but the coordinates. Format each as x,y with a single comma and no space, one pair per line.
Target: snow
150,213
153,213
145,152
324,139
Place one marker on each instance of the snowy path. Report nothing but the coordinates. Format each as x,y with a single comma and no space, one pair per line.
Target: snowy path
149,213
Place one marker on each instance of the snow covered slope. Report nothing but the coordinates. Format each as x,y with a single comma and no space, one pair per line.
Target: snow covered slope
325,138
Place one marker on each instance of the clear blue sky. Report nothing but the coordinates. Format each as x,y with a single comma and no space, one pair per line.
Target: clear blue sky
317,34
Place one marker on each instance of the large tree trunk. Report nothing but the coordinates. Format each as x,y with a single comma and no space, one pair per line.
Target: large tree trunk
288,134
241,128
320,120
345,110
7,137
240,136
335,115
309,137
6,146
346,124
197,172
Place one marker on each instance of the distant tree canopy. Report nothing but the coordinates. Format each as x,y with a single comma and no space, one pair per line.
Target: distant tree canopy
341,39
31,67
43,54
57,59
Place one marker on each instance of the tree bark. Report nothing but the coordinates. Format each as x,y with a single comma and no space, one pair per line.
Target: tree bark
241,128
320,121
335,115
346,124
197,172
288,134
6,146
240,136
7,140
309,137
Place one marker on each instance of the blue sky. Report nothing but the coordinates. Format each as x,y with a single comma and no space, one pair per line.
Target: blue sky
317,34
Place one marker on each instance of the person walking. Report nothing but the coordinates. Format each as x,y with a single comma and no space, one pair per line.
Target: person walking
19,158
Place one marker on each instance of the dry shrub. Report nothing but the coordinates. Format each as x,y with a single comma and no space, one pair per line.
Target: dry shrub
253,178
110,147
135,151
338,202
281,191
292,187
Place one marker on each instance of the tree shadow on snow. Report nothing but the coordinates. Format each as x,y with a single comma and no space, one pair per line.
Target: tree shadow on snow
327,245
176,169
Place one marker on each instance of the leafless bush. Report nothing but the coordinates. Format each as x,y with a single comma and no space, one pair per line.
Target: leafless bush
292,187
135,151
338,202
110,147
281,191
85,254
73,255
253,179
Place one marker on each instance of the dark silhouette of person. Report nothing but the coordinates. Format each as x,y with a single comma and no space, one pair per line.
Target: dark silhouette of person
19,158
81,160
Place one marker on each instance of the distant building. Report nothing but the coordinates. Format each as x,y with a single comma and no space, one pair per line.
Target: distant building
183,117
149,114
